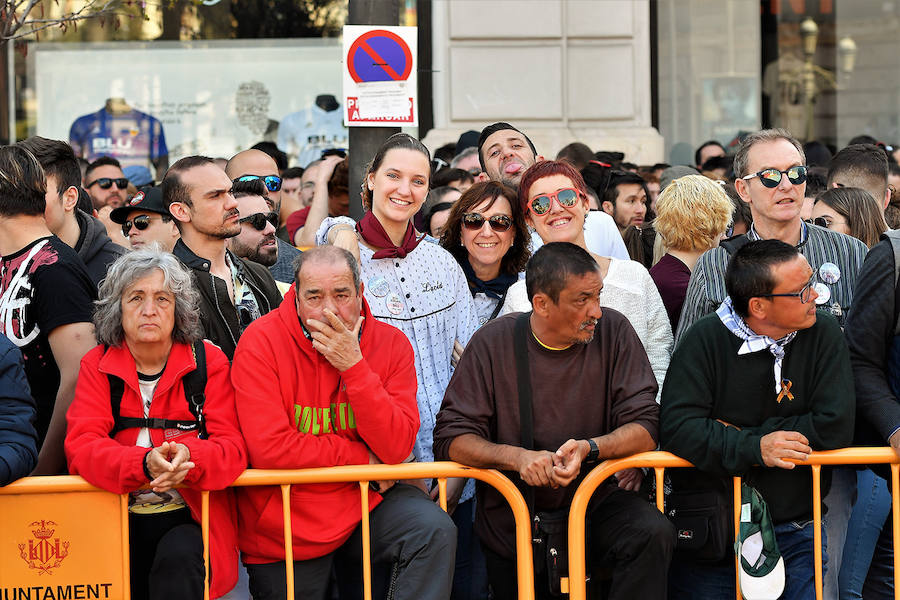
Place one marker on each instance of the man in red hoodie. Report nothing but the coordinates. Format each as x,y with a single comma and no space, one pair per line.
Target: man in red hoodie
319,382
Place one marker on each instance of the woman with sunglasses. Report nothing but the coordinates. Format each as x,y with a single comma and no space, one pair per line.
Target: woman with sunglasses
417,287
553,195
850,211
487,235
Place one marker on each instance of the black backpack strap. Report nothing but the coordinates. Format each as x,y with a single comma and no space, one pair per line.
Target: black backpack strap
195,386
194,392
735,243
523,381
116,389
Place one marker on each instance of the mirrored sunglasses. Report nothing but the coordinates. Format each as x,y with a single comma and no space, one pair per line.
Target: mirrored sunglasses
540,205
475,221
273,182
772,177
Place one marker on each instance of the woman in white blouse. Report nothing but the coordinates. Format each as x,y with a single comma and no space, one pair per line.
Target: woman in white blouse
486,233
552,193
413,285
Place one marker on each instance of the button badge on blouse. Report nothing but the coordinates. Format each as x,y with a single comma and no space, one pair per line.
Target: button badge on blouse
394,304
379,287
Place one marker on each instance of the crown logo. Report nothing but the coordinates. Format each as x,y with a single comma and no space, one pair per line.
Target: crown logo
43,552
43,532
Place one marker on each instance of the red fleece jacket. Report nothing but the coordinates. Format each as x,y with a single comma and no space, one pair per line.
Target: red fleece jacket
297,411
116,464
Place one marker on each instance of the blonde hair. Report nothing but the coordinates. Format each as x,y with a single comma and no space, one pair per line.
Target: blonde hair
691,213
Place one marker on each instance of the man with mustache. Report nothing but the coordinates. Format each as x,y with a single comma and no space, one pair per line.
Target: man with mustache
233,291
580,361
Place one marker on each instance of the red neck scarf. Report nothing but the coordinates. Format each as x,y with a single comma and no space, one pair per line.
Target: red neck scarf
374,235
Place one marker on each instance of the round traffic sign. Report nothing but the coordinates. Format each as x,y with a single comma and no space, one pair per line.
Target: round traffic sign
379,55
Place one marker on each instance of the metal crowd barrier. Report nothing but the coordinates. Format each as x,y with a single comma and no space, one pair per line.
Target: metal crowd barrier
24,497
659,461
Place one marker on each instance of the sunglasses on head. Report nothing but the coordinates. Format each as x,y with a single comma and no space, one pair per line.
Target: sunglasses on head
772,177
540,205
475,221
106,182
258,220
141,222
273,182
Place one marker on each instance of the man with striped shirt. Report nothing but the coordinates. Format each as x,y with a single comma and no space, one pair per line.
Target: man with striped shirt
771,177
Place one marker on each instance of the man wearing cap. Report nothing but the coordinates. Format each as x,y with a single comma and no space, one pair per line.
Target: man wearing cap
79,230
751,390
257,164
233,292
145,220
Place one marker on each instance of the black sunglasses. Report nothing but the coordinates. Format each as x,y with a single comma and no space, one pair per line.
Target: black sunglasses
772,177
106,182
820,221
273,182
258,220
141,222
475,221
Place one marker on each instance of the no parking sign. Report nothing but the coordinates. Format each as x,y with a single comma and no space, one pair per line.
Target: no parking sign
379,76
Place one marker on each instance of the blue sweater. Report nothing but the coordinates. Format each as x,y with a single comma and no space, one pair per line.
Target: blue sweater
18,438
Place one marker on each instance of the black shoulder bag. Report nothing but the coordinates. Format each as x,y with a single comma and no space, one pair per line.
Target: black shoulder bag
549,529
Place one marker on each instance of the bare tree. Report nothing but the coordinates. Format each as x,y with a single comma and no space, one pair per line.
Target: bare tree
21,19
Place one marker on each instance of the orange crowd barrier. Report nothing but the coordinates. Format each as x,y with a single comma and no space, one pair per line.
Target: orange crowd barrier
659,461
60,537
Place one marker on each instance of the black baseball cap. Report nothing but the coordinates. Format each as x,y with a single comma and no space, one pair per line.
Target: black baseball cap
148,198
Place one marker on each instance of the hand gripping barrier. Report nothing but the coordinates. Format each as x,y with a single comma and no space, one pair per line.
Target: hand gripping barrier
33,509
659,461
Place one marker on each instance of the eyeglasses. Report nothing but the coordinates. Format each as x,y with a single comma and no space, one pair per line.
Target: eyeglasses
258,220
475,221
106,182
273,182
772,177
140,222
540,205
804,294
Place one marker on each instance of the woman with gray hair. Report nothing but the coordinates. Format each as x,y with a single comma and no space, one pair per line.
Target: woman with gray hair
154,409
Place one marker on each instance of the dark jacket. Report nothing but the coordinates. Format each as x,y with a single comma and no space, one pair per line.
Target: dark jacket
874,349
18,439
283,269
218,315
95,247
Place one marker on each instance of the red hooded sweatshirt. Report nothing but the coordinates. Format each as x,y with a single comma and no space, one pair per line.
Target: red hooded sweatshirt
297,411
117,465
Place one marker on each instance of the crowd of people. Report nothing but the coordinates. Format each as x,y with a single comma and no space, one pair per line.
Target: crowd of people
491,307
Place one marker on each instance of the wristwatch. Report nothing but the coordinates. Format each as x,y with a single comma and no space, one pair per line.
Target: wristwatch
594,453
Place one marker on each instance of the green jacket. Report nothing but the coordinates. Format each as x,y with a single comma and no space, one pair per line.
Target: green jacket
707,381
